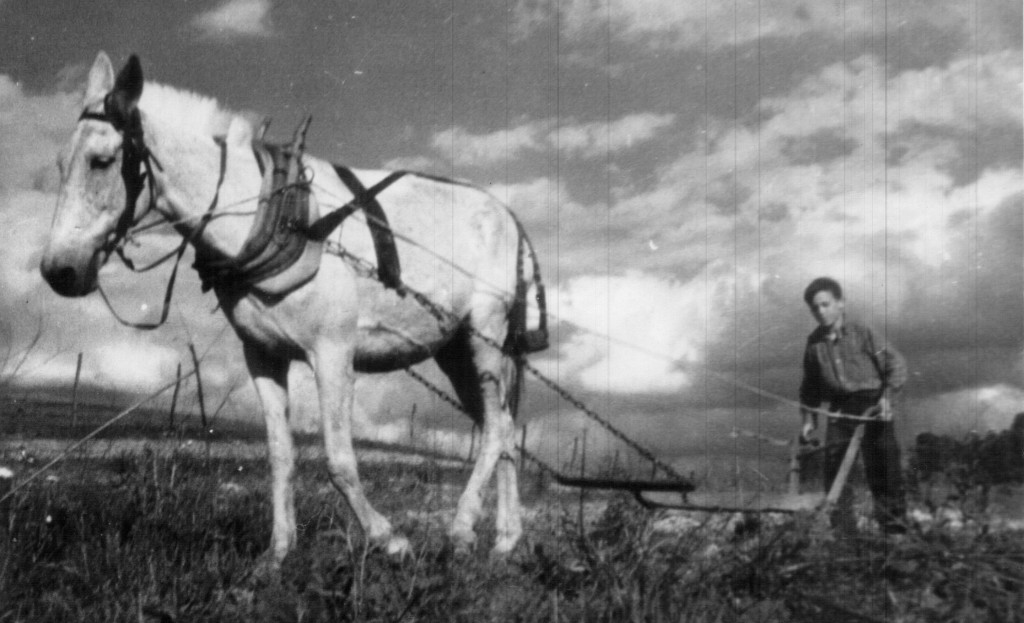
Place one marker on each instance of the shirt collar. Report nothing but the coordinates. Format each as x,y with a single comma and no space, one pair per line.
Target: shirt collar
833,334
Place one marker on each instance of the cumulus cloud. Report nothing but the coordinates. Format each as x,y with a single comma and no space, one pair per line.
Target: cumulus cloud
983,89
591,140
133,365
670,24
464,147
33,127
927,253
412,163
780,177
635,333
27,213
234,19
534,200
823,163
584,140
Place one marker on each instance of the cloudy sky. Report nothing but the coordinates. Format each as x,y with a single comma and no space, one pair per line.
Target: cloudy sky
684,168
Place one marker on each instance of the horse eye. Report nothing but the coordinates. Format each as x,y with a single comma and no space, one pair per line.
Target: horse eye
98,163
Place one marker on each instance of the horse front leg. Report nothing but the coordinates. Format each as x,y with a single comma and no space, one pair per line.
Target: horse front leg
270,376
332,367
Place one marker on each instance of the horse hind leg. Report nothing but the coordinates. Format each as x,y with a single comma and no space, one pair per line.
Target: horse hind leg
481,378
509,513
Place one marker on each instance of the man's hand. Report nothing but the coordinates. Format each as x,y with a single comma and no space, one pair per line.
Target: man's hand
884,409
810,425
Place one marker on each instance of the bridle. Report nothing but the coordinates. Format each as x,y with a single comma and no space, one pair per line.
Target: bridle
137,163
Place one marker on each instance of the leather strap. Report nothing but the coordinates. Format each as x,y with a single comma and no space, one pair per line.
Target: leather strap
388,268
177,254
275,241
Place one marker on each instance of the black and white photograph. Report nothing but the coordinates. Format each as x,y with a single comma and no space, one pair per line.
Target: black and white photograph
530,310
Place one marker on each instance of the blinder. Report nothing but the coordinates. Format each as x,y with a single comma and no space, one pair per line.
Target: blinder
136,159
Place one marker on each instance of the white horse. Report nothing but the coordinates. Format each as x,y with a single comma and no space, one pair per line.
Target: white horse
142,147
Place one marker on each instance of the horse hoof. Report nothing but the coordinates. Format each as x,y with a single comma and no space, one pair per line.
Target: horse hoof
461,551
398,547
504,547
266,570
463,541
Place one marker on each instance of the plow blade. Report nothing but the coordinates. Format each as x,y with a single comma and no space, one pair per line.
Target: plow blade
737,502
763,501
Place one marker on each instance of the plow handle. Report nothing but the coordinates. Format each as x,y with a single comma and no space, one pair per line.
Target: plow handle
845,466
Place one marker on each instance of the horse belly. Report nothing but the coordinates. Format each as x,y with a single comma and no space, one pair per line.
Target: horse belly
395,331
449,239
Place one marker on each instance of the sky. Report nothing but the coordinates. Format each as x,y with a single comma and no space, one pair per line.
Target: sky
683,168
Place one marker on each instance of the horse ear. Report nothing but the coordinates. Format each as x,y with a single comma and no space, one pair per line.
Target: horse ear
101,79
128,84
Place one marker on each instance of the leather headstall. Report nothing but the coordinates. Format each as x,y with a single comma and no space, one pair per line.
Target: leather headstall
137,161
137,164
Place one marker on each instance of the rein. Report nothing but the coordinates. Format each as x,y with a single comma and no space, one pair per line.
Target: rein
137,164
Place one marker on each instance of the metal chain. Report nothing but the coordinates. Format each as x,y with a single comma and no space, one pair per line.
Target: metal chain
541,465
645,453
443,395
366,269
446,397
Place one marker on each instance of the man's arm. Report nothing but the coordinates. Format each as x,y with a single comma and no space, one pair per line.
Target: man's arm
892,368
810,393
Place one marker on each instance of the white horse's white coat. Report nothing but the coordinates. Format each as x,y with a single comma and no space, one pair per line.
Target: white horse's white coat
337,322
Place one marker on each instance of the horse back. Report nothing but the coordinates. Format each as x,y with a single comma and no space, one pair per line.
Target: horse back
451,238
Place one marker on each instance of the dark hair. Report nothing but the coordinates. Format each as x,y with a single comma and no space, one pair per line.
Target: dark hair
823,284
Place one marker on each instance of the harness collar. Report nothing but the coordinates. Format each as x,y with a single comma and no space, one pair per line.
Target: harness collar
277,240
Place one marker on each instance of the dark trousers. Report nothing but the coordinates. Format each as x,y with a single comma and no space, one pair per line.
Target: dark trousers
880,454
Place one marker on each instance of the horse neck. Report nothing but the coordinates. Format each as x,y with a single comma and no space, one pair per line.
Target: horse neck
200,182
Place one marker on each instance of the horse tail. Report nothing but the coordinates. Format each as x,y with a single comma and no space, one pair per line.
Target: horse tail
522,340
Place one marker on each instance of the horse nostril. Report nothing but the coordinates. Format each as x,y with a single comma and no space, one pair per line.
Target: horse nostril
63,281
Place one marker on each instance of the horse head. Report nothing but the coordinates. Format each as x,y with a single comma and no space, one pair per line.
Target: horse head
101,178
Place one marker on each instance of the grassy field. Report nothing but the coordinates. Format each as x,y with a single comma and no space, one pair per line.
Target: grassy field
169,529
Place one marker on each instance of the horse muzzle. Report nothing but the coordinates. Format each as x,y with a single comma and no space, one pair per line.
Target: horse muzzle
69,278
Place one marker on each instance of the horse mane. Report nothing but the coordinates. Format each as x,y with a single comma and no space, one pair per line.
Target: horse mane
186,110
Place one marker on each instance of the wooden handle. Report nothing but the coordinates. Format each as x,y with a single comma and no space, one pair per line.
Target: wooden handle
846,466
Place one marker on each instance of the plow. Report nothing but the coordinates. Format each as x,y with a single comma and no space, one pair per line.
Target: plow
676,492
790,501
